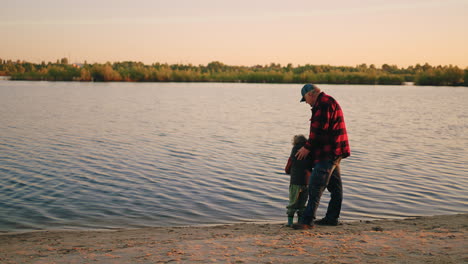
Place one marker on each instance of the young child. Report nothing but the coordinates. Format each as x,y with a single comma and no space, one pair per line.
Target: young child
300,171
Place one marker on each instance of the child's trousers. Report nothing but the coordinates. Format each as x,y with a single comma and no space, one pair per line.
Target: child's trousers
298,195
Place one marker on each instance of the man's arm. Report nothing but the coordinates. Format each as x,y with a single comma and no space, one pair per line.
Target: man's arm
319,123
302,153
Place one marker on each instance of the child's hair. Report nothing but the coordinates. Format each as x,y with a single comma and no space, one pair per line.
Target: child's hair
299,139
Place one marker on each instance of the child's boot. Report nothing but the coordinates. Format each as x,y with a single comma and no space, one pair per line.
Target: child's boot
290,221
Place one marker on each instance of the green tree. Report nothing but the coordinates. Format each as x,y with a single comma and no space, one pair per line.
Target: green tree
85,75
215,66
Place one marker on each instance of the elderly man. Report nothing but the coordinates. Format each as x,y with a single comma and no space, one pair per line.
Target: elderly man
327,145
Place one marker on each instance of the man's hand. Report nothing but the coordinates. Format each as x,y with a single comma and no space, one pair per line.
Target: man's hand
302,153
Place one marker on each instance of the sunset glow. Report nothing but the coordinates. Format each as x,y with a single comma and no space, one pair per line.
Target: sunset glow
240,32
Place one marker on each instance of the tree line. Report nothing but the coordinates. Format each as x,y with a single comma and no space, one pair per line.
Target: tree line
217,71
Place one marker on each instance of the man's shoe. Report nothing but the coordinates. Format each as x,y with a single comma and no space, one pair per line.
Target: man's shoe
327,222
302,226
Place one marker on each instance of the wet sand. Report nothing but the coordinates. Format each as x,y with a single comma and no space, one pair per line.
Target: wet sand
435,239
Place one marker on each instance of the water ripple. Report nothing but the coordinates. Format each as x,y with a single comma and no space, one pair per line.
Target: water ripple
130,155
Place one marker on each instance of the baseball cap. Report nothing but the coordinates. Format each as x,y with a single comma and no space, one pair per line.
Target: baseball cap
305,89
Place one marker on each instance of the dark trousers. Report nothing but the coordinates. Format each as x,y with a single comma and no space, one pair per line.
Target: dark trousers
326,174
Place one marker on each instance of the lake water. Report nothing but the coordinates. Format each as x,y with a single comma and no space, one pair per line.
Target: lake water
126,155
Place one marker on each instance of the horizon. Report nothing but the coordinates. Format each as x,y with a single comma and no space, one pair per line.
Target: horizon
244,33
230,65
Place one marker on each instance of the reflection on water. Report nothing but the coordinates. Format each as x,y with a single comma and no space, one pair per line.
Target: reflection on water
91,155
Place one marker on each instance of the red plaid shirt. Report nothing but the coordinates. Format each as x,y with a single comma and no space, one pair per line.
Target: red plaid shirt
328,138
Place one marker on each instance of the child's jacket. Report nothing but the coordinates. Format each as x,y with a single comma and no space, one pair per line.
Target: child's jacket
299,169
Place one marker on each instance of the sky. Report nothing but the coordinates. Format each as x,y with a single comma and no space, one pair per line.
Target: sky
237,32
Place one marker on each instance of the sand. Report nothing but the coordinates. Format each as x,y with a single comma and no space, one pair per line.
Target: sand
435,239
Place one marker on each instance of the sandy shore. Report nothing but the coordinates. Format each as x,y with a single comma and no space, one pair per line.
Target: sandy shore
436,239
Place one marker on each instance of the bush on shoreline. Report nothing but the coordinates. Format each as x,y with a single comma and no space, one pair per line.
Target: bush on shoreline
219,72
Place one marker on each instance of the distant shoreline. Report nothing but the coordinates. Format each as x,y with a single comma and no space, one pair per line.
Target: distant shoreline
8,78
128,71
429,239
